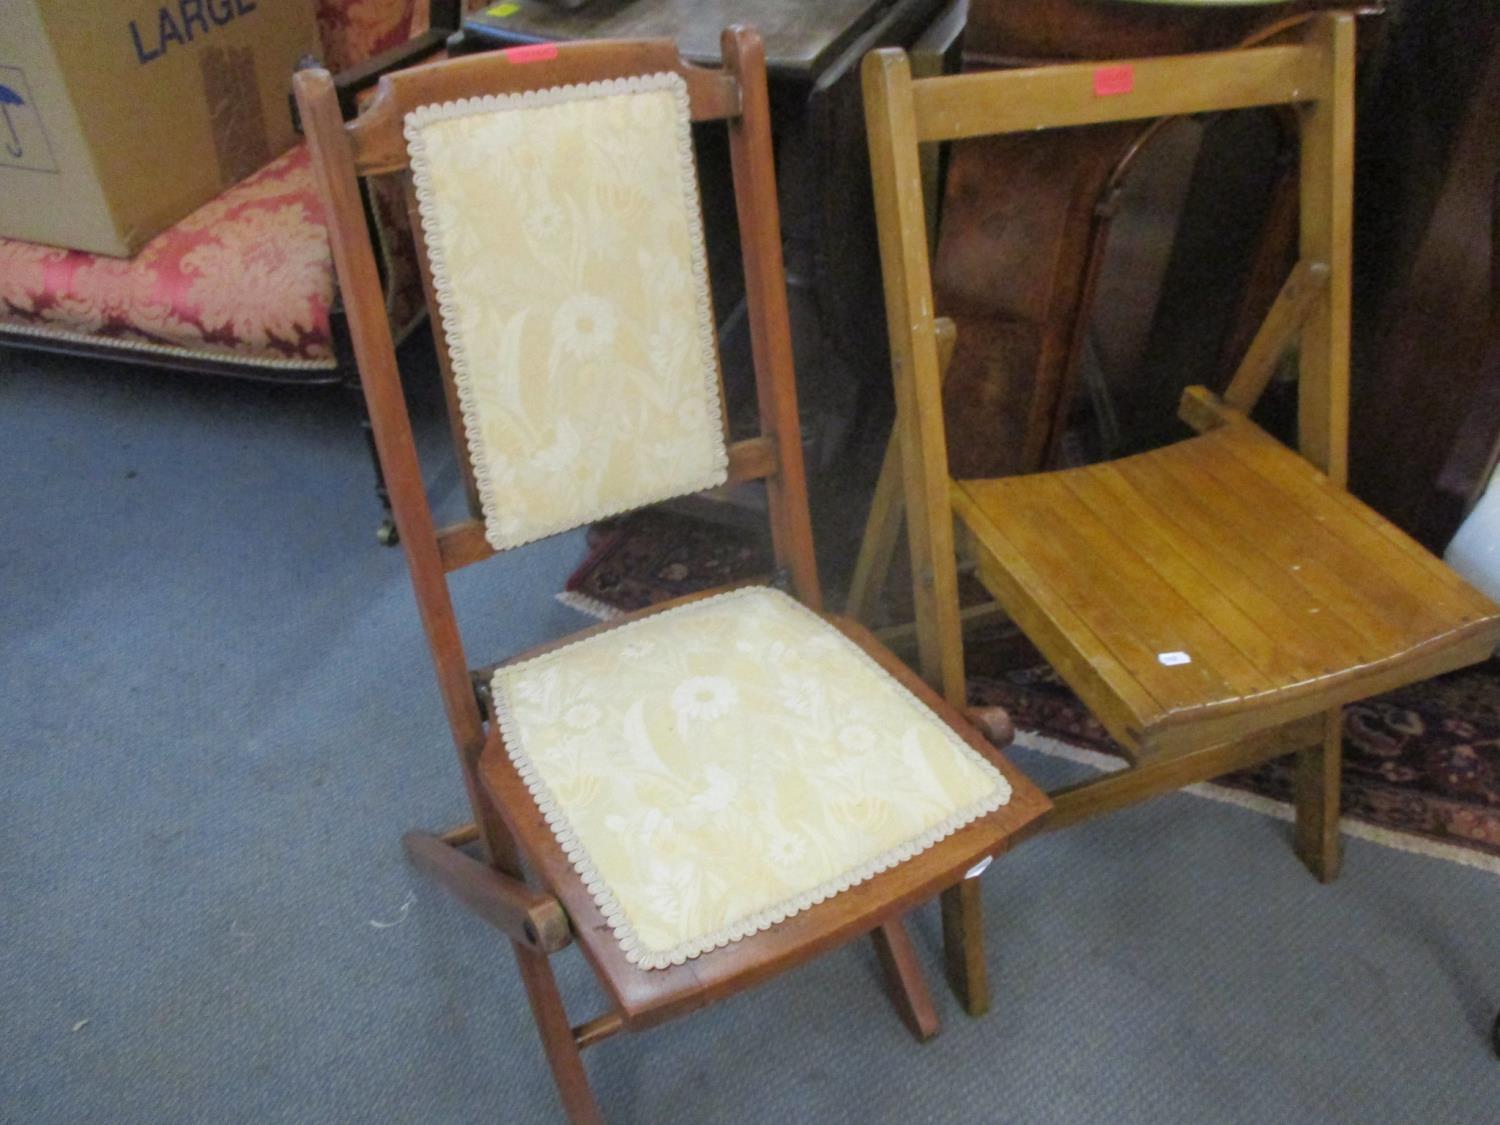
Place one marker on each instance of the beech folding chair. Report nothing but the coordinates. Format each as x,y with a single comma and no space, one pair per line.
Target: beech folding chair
1216,601
709,792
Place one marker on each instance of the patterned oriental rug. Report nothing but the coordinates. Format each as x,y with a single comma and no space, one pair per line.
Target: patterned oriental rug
1421,764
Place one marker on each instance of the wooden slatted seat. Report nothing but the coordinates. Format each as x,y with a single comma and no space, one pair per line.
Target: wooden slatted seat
1284,593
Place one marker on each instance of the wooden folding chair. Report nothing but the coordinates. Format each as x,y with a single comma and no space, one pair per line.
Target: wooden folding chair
1216,601
706,793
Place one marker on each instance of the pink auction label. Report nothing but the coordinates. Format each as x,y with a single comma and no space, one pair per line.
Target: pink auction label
1111,80
536,52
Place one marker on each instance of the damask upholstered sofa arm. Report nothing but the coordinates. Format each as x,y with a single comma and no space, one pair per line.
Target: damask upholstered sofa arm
244,285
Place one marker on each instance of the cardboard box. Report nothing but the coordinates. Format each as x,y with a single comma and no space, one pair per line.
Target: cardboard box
119,118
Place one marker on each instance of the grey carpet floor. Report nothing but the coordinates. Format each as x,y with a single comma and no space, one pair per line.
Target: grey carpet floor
218,715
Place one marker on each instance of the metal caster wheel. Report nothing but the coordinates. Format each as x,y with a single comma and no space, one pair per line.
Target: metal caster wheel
387,534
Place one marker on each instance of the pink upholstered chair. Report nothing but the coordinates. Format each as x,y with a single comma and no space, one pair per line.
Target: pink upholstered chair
244,286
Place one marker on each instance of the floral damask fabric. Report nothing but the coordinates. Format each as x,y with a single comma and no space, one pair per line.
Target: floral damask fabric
566,243
352,31
247,277
718,767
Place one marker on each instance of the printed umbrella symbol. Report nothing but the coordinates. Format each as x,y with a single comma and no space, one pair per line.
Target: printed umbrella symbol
8,98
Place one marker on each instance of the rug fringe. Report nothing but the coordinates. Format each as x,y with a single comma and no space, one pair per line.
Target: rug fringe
1267,806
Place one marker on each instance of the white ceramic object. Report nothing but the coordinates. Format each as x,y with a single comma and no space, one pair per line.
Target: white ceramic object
1475,550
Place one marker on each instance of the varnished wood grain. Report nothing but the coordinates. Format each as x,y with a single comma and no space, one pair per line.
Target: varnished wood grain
598,1029
558,1043
527,915
963,947
1203,410
1326,226
460,835
376,135
1304,288
1259,451
1051,97
882,534
1316,833
1087,799
754,172
901,215
901,220
335,175
1229,548
904,978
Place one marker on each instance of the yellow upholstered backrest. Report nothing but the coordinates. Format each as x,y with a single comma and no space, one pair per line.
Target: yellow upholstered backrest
565,237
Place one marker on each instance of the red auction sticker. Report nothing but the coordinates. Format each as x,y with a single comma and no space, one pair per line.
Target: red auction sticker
1110,80
536,52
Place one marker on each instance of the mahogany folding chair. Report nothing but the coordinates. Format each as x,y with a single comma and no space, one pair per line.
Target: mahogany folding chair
1216,601
710,792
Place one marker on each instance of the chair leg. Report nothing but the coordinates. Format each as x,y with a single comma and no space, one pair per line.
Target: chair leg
963,946
1316,836
904,978
558,1042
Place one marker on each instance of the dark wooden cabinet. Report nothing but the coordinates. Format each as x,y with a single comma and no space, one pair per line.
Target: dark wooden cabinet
1426,394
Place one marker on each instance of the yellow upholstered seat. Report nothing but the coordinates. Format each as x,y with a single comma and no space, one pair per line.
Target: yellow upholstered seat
716,768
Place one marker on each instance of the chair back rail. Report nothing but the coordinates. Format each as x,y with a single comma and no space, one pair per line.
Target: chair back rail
463,543
374,144
985,103
380,146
